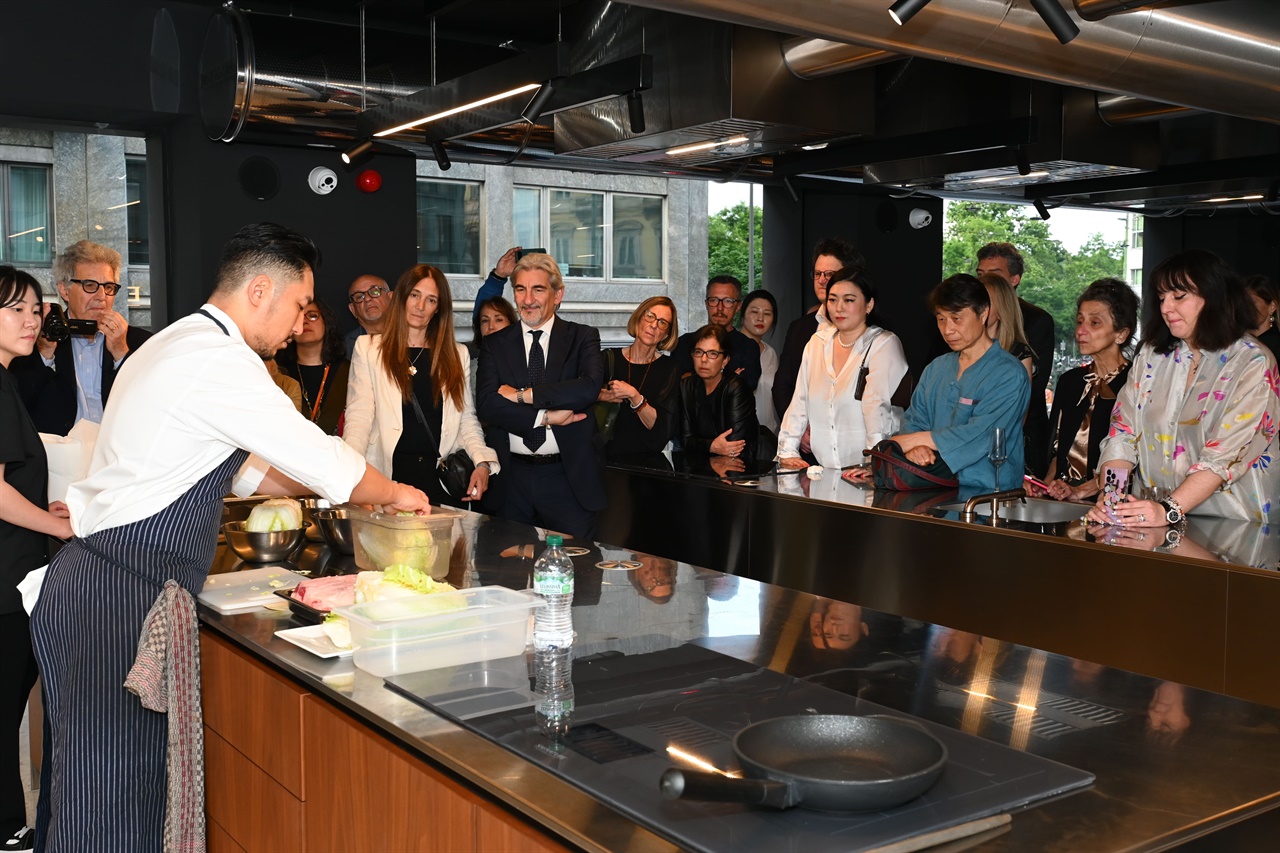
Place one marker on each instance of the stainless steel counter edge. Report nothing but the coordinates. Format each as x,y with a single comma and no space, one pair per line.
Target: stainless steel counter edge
567,813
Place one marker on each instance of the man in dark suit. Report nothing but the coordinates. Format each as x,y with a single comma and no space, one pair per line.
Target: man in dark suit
537,382
724,295
1005,260
829,257
63,382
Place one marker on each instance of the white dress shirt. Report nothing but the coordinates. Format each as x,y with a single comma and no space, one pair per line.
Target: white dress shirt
840,427
550,447
183,403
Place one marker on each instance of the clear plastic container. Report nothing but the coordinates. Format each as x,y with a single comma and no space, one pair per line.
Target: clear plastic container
420,541
420,632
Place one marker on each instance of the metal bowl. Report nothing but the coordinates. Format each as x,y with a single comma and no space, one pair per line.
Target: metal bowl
335,526
309,506
260,547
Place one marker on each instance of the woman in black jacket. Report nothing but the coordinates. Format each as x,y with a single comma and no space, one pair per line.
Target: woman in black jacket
717,409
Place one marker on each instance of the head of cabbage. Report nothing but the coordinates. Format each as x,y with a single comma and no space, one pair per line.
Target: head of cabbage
274,514
400,546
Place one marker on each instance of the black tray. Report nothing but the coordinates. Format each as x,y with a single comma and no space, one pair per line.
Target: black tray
304,612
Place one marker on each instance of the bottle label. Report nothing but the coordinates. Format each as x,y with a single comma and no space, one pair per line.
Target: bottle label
550,584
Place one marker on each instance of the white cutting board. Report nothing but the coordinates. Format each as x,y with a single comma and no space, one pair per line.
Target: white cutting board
235,592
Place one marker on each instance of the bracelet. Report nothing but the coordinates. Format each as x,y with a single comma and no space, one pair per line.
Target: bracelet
546,420
520,396
641,406
486,465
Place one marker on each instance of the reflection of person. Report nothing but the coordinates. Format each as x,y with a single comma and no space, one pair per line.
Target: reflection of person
66,381
641,381
655,579
717,409
537,383
759,313
965,394
317,358
1106,315
842,422
1197,417
186,410
26,520
1167,717
835,625
416,360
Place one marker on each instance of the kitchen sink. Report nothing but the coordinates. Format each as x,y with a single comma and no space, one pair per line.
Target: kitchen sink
1035,510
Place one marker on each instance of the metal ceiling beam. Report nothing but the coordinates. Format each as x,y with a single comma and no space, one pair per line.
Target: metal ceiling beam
1264,167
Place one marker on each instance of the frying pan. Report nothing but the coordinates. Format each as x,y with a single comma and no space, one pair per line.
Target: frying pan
830,763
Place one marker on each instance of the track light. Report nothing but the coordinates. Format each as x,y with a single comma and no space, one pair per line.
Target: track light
1041,209
538,103
635,109
1056,19
442,156
1024,165
357,152
904,10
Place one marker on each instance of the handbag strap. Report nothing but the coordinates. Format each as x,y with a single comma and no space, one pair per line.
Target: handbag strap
422,419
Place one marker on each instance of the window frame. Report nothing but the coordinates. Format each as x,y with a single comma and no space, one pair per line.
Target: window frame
545,237
6,211
481,269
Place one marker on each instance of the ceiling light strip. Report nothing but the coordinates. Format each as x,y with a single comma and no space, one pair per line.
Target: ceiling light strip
519,90
703,146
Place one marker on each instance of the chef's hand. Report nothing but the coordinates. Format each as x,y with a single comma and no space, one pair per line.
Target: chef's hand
507,263
405,498
114,328
722,446
479,483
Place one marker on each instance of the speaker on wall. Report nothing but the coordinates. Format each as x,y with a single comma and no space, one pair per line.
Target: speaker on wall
259,178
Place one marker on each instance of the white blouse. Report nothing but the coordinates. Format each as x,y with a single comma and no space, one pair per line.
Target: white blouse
765,413
840,427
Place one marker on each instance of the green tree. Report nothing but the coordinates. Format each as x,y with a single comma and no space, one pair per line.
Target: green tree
727,241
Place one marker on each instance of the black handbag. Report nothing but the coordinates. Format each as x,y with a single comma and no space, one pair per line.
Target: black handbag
454,470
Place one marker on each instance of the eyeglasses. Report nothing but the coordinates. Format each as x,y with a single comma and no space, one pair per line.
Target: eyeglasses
312,316
91,286
372,293
650,317
823,274
728,301
711,354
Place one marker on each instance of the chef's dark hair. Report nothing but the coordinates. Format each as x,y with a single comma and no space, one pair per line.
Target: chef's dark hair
265,248
14,284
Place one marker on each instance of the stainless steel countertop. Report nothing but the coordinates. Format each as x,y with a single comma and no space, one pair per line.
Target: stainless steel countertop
1172,763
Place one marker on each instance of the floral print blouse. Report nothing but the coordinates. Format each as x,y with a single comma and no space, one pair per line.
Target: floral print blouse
1225,423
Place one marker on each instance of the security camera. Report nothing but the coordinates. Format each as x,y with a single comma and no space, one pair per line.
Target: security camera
322,180
920,218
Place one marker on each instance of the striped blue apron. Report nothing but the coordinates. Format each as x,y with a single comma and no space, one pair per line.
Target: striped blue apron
103,782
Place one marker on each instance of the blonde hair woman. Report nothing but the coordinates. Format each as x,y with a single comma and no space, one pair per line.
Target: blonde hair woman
1004,322
409,386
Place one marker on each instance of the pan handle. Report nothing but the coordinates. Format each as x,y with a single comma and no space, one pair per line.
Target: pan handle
679,784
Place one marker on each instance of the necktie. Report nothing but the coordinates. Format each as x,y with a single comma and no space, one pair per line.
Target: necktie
537,373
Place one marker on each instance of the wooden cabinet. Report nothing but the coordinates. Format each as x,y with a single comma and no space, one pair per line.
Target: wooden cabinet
286,770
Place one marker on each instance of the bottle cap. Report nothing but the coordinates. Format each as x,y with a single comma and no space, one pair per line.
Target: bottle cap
554,540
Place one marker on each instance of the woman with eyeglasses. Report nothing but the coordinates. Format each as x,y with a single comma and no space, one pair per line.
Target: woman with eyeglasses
638,404
317,359
759,313
717,409
409,401
27,519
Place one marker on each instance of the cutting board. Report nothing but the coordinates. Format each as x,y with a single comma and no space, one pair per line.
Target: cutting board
235,592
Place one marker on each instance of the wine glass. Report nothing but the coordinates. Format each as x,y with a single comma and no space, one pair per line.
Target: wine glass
999,452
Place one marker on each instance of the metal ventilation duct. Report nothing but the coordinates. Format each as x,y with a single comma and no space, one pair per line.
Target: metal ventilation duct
1222,56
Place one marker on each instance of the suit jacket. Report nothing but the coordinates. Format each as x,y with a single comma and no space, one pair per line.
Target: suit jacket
574,376
744,355
784,378
1038,325
50,393
375,412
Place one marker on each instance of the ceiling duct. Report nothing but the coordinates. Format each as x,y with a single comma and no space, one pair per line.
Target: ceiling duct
810,59
720,93
1221,56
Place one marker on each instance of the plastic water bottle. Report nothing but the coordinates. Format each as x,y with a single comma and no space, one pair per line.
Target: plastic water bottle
553,669
553,580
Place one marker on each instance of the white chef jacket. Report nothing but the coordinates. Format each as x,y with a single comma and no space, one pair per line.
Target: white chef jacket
178,407
840,427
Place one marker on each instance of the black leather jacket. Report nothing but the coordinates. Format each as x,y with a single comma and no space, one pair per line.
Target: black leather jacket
704,416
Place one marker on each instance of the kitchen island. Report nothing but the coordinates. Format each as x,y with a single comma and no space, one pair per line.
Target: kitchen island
311,753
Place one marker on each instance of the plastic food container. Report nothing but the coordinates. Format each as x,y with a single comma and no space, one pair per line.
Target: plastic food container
420,541
420,632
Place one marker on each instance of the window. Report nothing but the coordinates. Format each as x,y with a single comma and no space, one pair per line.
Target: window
449,226
135,168
594,234
28,228
1135,279
1135,234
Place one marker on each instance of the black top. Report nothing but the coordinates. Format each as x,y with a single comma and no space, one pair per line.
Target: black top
789,359
1271,340
416,454
1068,413
703,416
333,400
657,382
27,470
744,357
1038,325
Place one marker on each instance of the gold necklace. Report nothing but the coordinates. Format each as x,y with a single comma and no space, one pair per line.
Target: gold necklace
413,371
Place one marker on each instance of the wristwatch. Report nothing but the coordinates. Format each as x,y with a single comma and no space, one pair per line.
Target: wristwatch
1172,512
520,395
1172,539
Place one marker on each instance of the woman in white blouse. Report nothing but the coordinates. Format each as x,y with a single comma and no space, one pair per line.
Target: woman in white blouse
844,416
759,313
418,361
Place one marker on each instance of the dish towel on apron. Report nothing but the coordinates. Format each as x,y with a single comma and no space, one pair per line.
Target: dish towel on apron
166,677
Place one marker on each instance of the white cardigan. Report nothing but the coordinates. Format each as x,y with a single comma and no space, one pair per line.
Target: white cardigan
375,413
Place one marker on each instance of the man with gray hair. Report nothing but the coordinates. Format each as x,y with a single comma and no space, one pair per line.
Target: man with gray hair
69,380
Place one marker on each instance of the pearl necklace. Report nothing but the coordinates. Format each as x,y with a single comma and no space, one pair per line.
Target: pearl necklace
848,345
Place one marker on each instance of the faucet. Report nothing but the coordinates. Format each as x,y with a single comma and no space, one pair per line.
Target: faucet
995,498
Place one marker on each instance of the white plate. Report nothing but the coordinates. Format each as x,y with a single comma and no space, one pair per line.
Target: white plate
312,638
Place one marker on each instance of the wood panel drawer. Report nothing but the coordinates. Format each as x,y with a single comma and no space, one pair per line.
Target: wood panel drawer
246,804
254,709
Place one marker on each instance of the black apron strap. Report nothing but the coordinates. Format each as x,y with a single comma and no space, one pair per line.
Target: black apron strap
215,320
